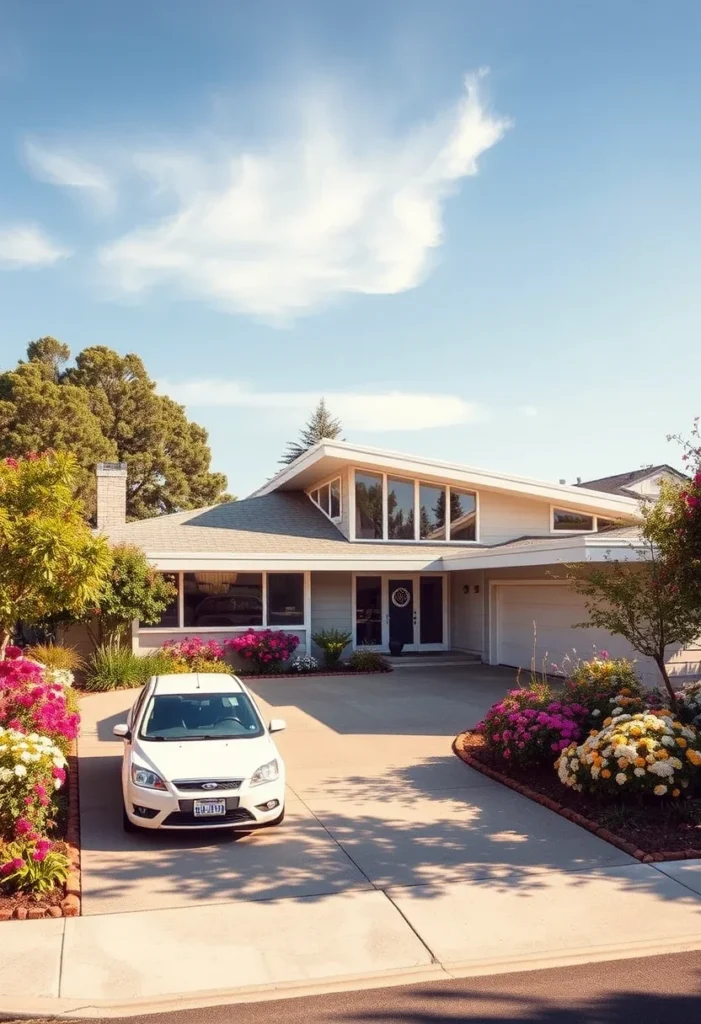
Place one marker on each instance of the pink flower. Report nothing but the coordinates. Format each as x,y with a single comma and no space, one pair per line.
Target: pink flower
23,826
12,652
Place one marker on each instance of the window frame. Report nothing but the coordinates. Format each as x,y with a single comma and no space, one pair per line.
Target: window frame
592,515
317,489
417,481
265,573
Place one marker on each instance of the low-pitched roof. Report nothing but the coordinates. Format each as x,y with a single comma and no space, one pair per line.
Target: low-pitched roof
620,483
281,523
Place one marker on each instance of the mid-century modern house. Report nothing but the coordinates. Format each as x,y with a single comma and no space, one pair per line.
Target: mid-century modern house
388,547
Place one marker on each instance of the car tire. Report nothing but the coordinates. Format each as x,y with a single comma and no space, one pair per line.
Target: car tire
127,824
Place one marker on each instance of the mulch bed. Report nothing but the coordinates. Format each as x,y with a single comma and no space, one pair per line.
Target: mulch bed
648,831
64,901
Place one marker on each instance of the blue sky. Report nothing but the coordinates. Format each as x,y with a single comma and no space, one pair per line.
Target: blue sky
272,201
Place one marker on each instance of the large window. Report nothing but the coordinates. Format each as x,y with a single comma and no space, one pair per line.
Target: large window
431,512
396,509
463,515
328,498
285,599
223,599
400,509
234,600
368,611
368,506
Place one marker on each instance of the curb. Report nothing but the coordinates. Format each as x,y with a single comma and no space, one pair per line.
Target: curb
566,812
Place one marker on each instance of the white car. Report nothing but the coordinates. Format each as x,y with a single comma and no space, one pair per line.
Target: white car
197,754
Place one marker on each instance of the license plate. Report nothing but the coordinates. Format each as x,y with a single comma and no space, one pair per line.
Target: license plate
209,808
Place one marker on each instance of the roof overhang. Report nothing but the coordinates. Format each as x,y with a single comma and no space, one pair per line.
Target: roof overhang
550,552
328,457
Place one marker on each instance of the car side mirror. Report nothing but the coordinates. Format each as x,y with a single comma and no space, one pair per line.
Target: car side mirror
277,725
123,732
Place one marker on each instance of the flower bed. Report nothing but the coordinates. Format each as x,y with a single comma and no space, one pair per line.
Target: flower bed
39,830
602,753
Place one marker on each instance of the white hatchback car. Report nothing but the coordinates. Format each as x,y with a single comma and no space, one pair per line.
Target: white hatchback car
197,754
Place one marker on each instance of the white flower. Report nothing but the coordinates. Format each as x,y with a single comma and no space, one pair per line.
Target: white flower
57,783
25,755
621,778
595,713
639,772
625,750
6,775
675,763
668,741
616,711
662,768
659,790
20,770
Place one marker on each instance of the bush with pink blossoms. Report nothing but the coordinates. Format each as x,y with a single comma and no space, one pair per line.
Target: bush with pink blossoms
32,768
31,704
193,648
529,727
265,649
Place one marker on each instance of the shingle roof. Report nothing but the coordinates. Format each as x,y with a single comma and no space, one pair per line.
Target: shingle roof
620,483
281,523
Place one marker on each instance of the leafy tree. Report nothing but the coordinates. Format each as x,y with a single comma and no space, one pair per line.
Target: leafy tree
132,589
50,561
646,602
105,408
320,425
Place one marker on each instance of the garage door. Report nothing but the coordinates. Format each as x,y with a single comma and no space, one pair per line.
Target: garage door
547,614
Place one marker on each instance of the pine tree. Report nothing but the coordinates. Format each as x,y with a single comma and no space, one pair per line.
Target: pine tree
320,425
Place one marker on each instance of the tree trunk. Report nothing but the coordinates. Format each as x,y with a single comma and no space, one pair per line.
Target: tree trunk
660,662
5,637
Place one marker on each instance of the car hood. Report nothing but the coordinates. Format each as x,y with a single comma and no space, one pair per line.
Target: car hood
207,759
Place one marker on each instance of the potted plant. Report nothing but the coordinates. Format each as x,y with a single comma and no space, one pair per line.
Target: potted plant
396,647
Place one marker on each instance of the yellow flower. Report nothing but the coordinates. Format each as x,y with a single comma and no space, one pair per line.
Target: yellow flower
635,730
661,754
606,774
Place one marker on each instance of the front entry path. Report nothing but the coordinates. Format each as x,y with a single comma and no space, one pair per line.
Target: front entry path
396,861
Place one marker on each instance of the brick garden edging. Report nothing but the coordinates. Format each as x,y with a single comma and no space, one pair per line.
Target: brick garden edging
70,904
566,812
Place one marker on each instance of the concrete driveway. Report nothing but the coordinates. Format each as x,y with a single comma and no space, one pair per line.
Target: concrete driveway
376,800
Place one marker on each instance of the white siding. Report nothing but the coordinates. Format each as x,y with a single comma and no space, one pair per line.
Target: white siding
503,517
331,601
467,611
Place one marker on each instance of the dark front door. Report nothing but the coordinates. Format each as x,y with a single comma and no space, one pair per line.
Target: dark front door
401,611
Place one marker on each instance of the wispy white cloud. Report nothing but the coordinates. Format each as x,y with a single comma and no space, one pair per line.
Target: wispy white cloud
27,245
378,411
326,212
69,170
528,410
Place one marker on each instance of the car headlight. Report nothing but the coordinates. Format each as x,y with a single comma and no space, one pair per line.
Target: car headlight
148,780
266,773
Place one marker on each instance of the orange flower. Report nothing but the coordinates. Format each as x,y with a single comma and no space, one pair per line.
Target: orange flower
606,774
640,762
676,792
681,742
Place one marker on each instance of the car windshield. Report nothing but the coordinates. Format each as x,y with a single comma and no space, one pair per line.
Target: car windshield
200,716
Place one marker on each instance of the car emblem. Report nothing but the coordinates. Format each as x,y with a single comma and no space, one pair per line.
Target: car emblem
209,785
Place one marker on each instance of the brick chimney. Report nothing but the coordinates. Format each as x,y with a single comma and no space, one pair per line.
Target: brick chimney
111,494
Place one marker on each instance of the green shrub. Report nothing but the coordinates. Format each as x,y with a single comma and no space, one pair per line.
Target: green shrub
368,661
332,642
33,867
55,656
117,668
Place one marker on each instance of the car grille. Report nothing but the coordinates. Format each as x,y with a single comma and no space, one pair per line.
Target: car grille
195,785
184,818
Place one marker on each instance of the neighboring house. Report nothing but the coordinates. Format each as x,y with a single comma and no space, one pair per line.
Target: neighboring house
640,483
389,546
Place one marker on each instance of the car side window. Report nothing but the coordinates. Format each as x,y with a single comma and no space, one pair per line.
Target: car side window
136,708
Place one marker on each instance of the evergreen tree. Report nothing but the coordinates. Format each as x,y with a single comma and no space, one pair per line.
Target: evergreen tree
105,408
320,425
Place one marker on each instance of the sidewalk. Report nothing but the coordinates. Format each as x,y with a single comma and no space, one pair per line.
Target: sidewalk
118,964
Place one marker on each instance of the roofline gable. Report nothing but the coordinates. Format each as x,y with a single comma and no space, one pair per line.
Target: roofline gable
411,465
